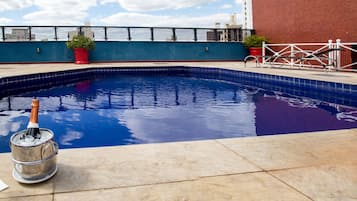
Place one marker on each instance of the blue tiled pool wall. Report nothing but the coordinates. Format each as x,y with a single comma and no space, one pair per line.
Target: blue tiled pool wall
27,83
345,94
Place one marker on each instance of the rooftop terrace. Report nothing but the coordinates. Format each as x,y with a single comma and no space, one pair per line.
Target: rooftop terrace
310,166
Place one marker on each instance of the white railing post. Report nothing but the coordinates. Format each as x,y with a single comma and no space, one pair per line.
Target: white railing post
330,53
263,52
338,54
292,54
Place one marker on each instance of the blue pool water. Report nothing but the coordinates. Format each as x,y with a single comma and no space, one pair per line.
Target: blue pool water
120,110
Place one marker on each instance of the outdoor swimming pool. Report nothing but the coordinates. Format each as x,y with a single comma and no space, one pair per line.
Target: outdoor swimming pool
134,109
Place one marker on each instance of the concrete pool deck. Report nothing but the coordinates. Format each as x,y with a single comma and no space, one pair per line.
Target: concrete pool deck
310,166
332,76
295,167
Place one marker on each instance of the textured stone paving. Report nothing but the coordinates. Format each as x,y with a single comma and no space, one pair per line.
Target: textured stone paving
308,166
343,77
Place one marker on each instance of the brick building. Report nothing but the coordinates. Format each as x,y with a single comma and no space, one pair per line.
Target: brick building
290,21
307,21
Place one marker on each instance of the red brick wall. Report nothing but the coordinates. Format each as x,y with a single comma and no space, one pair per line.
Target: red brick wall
289,21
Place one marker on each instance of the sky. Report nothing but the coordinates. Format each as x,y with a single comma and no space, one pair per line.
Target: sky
181,13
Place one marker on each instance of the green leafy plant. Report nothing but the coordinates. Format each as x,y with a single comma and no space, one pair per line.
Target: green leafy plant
255,41
81,41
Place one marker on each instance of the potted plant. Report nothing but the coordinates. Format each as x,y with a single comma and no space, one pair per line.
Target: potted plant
81,45
255,44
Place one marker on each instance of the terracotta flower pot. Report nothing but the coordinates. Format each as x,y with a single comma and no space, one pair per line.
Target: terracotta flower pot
81,56
256,51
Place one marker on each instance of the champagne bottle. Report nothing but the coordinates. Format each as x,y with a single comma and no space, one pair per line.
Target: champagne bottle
33,127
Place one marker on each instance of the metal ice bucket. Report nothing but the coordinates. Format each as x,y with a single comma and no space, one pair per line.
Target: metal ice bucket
34,161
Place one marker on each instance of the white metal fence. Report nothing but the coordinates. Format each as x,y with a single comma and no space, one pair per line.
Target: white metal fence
343,59
331,55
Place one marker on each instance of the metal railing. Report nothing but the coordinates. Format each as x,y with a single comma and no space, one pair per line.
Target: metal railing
336,56
300,54
121,33
347,56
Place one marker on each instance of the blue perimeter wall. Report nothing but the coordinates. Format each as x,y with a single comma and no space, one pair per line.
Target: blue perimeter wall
107,51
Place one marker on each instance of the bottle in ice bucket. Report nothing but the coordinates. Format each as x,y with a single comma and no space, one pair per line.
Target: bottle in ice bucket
33,130
34,151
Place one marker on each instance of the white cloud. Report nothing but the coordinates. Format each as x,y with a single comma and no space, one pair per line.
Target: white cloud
60,12
139,19
226,6
70,136
75,117
75,12
139,5
5,21
9,122
153,125
69,5
102,2
239,1
14,4
47,17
